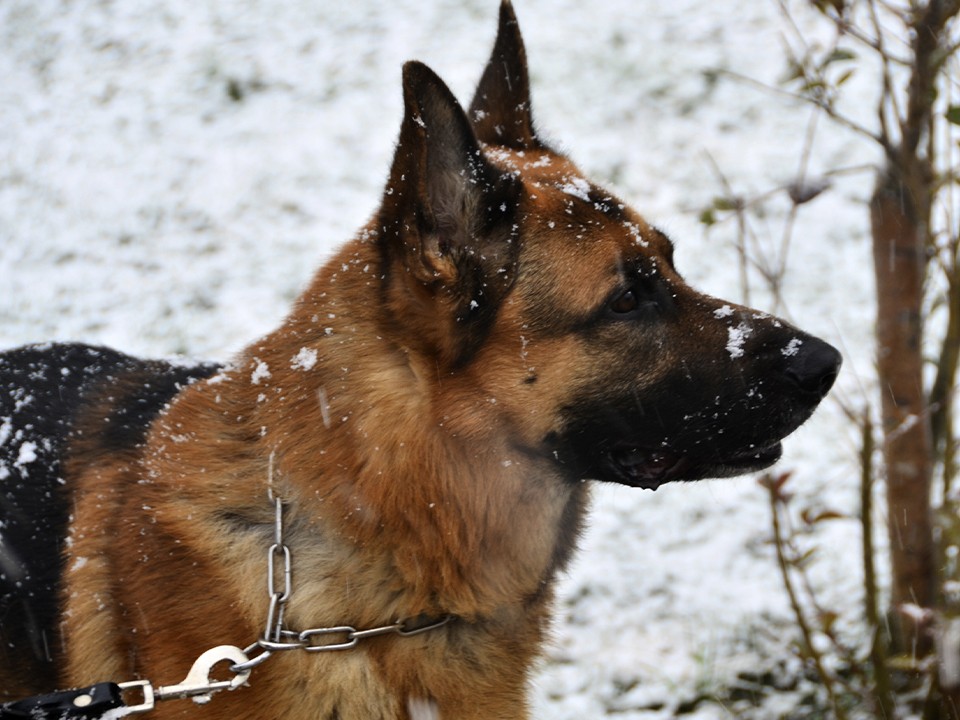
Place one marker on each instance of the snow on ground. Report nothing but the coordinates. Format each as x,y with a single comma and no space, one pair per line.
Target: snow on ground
171,174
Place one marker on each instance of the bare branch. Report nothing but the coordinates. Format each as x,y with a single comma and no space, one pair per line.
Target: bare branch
832,112
944,385
888,97
848,29
779,540
928,30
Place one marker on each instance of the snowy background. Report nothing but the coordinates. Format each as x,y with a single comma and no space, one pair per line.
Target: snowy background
171,173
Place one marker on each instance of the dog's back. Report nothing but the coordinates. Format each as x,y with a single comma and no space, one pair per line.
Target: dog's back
48,395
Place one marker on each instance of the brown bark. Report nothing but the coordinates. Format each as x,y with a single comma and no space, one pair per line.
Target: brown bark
899,260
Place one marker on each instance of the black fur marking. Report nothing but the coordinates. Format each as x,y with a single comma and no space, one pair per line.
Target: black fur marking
42,388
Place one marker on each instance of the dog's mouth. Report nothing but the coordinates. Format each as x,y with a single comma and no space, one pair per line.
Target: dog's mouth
649,469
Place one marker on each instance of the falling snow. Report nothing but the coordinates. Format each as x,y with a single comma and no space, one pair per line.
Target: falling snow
143,207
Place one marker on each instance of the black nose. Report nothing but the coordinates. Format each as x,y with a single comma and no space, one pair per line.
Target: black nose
812,365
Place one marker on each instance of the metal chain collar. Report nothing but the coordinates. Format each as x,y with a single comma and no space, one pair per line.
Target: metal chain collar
276,638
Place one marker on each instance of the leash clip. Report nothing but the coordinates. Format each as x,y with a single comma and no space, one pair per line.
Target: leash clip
197,685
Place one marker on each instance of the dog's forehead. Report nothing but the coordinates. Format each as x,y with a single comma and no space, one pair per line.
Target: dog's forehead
549,175
559,194
575,229
587,243
561,202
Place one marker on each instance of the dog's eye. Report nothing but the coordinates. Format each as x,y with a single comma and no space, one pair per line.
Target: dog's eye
626,302
644,299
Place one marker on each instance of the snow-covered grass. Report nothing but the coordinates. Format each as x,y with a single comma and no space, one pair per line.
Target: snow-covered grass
171,174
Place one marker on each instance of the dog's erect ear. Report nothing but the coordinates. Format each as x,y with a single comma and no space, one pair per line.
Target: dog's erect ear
448,215
500,111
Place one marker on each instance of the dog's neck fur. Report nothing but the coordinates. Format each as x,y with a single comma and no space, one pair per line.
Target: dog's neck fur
402,493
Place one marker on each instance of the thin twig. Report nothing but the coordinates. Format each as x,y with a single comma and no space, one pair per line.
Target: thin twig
888,97
801,619
832,112
875,44
776,282
741,244
879,646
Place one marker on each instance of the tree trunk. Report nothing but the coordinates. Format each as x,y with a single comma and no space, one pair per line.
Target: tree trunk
899,261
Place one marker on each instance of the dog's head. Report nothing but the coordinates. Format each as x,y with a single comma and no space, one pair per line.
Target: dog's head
545,306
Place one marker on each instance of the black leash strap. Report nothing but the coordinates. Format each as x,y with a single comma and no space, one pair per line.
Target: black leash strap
87,703
105,699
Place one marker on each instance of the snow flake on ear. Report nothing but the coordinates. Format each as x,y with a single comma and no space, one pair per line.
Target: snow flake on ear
503,157
26,454
223,375
723,312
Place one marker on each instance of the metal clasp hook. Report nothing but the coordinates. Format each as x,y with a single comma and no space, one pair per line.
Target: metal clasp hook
197,685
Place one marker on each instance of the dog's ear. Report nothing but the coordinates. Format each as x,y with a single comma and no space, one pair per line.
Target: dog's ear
447,218
500,111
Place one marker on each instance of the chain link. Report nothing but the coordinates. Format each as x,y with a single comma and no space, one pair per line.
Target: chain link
277,597
351,636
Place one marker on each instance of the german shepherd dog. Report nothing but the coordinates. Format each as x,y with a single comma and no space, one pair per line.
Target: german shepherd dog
501,331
